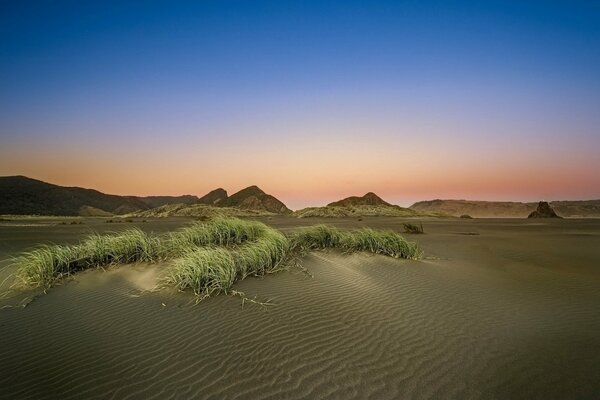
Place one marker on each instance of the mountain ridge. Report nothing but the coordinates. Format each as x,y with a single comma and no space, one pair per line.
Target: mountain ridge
21,195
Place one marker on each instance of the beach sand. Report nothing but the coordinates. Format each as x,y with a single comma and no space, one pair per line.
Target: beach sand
497,309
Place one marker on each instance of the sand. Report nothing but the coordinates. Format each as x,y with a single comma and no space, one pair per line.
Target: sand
499,309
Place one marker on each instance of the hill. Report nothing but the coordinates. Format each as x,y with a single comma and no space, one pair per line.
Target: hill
357,211
251,201
157,201
360,206
476,209
253,198
507,209
577,209
196,210
20,195
215,197
369,199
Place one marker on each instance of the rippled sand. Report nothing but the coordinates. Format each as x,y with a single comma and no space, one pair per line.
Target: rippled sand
499,309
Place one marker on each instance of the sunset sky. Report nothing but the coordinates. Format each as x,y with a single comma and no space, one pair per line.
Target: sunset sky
311,101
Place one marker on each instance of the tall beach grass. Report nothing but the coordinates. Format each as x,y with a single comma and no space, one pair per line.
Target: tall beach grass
45,265
216,269
205,257
385,242
220,231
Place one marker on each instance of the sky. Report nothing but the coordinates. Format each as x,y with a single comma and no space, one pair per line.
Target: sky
310,100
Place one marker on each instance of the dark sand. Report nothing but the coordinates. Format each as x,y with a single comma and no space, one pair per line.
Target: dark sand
499,309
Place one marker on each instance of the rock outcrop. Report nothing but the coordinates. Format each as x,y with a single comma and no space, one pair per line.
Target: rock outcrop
543,211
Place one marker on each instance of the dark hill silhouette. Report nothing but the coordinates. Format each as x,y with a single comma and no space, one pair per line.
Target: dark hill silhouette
157,201
22,195
253,198
369,199
214,197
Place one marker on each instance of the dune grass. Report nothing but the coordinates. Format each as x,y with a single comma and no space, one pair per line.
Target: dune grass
216,269
220,231
387,243
45,265
205,257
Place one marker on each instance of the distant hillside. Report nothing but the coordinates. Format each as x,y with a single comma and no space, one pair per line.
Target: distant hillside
497,209
357,211
157,201
577,209
21,195
369,199
477,209
359,206
215,197
253,198
196,210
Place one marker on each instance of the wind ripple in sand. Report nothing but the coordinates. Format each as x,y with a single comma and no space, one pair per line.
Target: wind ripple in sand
366,327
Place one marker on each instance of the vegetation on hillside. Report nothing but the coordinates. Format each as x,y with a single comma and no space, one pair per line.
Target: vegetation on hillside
360,211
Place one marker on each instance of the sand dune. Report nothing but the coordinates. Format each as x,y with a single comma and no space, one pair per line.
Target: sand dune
500,315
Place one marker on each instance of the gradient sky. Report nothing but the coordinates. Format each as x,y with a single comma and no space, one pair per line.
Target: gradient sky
311,100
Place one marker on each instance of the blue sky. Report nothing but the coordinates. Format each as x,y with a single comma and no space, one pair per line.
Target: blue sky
295,92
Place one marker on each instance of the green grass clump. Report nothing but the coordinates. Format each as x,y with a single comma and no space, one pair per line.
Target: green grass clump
377,242
215,269
316,237
121,248
387,243
43,266
221,231
205,257
204,271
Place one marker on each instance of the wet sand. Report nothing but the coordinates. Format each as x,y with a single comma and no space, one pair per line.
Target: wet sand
498,309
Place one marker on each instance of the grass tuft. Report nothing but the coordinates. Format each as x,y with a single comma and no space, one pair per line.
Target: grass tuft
377,242
215,269
316,237
220,231
205,257
44,265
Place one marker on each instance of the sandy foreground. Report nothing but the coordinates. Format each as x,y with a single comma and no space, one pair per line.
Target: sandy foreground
498,309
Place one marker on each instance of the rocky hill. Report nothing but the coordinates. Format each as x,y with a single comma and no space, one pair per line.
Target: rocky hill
543,210
253,198
214,197
20,195
360,206
369,199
